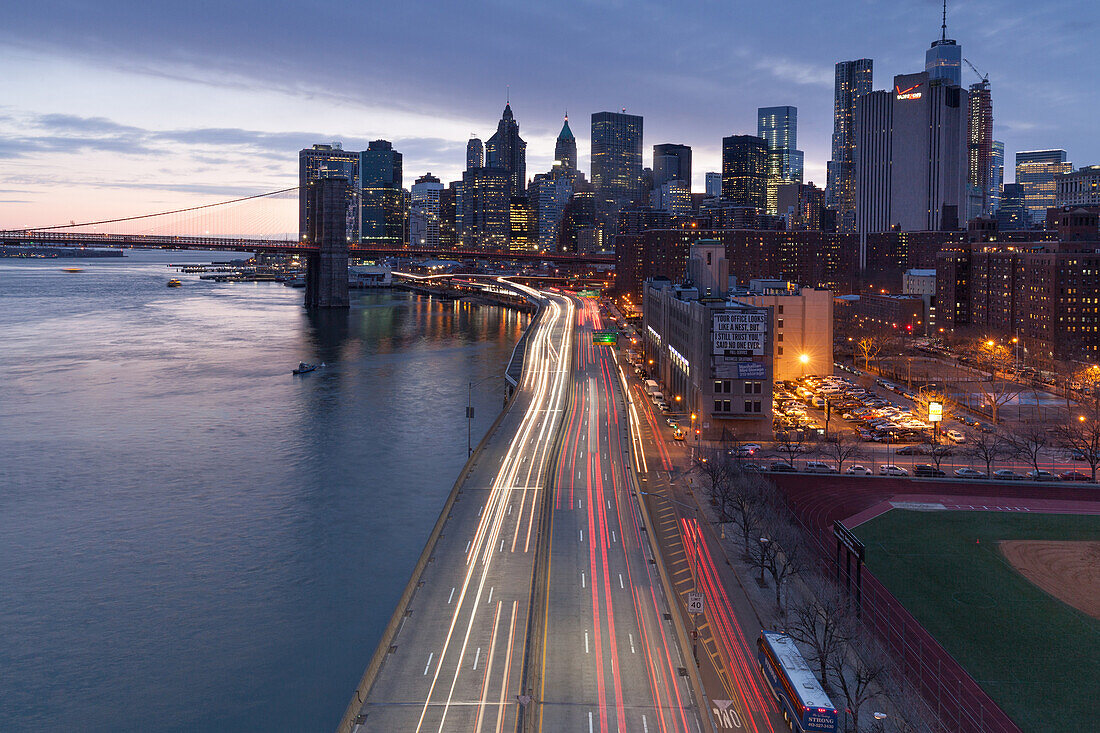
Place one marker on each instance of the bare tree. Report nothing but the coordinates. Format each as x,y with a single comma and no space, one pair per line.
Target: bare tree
996,387
713,466
1080,436
840,447
782,549
868,348
746,503
1029,443
817,621
789,444
936,451
989,448
859,673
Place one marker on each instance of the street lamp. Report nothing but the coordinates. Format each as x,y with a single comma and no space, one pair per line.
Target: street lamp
804,359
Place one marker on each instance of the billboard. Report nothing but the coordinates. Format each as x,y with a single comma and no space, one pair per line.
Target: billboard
935,412
740,332
751,370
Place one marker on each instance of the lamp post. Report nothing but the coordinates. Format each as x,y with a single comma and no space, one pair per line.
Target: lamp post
763,544
470,413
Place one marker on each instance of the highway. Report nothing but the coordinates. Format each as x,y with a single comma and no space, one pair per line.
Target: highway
456,661
609,658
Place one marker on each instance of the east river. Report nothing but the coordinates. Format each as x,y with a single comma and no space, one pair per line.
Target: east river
191,538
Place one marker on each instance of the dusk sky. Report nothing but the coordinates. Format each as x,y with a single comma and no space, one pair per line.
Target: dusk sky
111,109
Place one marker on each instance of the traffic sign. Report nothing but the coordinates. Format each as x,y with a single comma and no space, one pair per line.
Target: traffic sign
695,602
605,337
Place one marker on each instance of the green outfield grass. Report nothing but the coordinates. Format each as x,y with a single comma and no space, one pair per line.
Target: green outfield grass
1037,657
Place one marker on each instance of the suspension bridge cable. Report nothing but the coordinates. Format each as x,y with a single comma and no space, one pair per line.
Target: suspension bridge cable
162,213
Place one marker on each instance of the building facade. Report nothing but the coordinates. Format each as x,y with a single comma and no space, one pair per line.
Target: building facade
507,150
801,324
671,162
328,161
1079,188
486,208
912,159
981,165
779,128
475,154
565,147
424,209
713,353
1036,171
383,217
616,164
745,171
852,80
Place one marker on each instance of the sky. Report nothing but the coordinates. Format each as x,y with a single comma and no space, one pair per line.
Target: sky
124,108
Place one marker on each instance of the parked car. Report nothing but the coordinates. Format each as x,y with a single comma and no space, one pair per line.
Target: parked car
1040,475
671,422
908,450
956,436
968,473
1005,474
857,470
780,467
1074,476
819,467
753,467
927,470
891,470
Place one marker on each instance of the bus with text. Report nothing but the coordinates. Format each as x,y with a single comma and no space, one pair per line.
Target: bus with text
804,704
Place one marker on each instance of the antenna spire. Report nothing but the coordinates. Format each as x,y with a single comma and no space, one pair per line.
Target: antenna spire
944,26
508,87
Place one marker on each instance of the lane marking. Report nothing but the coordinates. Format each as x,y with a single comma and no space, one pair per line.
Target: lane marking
429,664
645,725
632,643
502,546
621,581
586,643
590,729
467,550
453,595
490,595
613,536
582,581
477,657
582,535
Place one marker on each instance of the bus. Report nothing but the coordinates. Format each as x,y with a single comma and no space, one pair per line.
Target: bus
805,705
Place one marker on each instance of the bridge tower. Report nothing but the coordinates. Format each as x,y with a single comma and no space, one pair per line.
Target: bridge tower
327,270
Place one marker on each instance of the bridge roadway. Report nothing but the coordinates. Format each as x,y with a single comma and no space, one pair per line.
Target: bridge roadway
610,657
456,661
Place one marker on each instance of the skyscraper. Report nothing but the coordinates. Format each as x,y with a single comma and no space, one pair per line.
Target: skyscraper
943,60
616,164
852,80
549,194
998,173
328,161
745,171
486,208
872,150
671,162
425,208
980,165
1035,171
475,154
565,148
779,128
713,184
1013,213
507,150
382,215
911,156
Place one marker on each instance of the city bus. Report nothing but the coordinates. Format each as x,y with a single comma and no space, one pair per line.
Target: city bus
805,705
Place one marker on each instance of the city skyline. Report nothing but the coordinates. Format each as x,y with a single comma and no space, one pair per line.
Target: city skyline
164,123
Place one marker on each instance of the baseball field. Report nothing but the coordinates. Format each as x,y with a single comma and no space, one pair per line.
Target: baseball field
1013,596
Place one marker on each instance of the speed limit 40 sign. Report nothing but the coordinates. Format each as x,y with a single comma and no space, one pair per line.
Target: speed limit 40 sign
695,602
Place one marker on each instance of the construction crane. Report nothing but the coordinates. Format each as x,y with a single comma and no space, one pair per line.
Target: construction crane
983,77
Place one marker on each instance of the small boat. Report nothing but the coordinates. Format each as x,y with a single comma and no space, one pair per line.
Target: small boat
72,269
174,283
304,368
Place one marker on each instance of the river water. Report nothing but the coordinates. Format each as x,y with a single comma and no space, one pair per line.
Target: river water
190,537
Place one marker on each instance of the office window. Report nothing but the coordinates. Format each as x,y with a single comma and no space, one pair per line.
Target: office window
756,406
779,351
780,310
748,406
779,337
780,323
